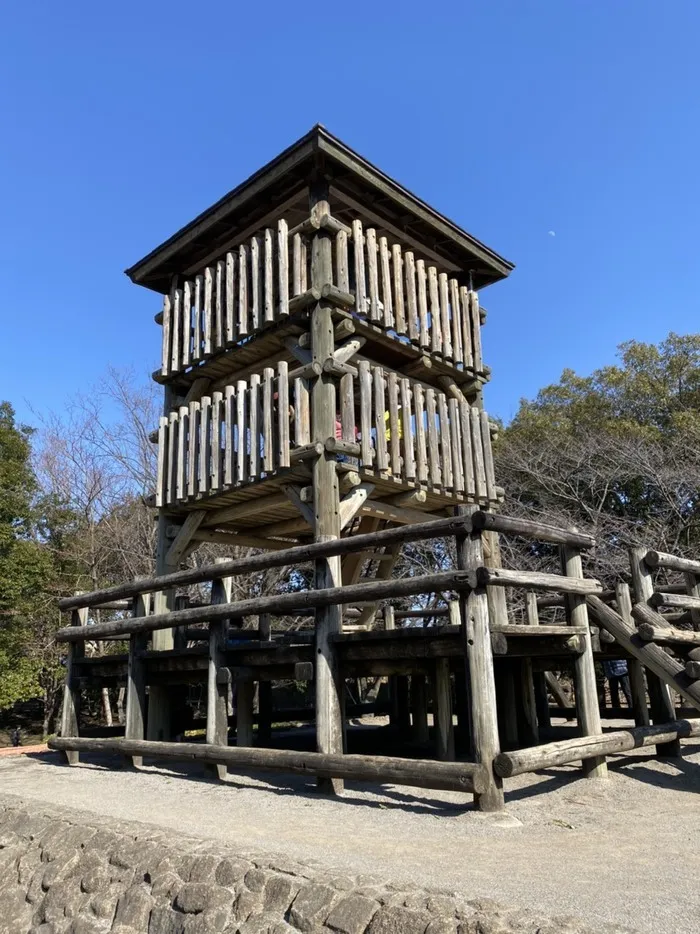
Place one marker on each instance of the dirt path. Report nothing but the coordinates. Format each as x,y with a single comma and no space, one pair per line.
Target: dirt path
627,850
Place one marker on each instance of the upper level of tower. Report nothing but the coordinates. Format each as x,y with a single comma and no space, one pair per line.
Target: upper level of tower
236,280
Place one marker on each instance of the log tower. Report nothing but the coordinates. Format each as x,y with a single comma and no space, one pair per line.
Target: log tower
322,375
322,383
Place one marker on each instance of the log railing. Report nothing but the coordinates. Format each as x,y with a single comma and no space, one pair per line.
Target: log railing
410,299
474,584
392,426
263,281
417,433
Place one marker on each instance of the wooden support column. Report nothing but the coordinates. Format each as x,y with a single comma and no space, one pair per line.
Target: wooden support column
159,726
660,700
506,703
70,713
135,724
584,667
245,697
442,711
264,689
329,700
476,637
526,703
419,708
390,625
634,666
403,711
539,684
218,687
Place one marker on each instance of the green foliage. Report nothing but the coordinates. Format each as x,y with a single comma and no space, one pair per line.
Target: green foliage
28,572
616,452
654,390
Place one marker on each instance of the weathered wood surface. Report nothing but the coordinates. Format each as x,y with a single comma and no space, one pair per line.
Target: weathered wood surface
537,531
685,601
638,689
299,554
423,773
660,559
476,638
667,635
135,719
660,700
584,669
583,748
70,711
536,580
218,692
667,669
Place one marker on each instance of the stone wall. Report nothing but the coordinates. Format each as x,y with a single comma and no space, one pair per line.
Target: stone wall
72,872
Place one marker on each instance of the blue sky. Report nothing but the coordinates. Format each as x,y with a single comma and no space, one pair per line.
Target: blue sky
562,133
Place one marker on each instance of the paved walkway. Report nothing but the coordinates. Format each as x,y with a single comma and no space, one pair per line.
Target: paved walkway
625,851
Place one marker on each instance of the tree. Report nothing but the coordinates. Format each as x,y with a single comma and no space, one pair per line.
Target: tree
615,454
25,564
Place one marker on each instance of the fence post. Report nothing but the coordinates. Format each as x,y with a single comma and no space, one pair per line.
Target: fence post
264,688
660,700
70,714
218,687
584,666
442,711
634,666
476,637
134,727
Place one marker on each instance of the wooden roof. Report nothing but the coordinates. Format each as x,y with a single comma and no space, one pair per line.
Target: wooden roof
358,188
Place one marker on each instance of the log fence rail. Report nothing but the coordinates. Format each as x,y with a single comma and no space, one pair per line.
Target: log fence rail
472,582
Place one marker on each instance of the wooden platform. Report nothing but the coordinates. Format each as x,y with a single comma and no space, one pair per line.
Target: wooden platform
376,653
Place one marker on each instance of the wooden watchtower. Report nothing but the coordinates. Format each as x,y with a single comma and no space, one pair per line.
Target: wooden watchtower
322,371
323,377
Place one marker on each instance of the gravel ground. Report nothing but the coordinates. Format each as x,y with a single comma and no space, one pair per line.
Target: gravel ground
625,851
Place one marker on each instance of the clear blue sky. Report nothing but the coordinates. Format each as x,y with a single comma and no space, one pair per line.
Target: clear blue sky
121,121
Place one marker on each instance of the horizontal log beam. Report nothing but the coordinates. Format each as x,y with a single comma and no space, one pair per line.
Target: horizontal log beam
538,531
682,600
368,592
659,559
423,773
299,554
534,758
667,635
534,580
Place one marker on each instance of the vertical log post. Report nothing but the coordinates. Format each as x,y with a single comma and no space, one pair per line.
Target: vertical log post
476,638
390,624
264,689
403,710
159,726
419,708
329,700
584,667
442,711
505,673
634,666
217,686
539,683
463,732
136,681
660,700
70,713
245,699
506,702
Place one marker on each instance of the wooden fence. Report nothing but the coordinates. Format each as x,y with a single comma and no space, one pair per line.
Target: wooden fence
482,616
251,287
392,426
